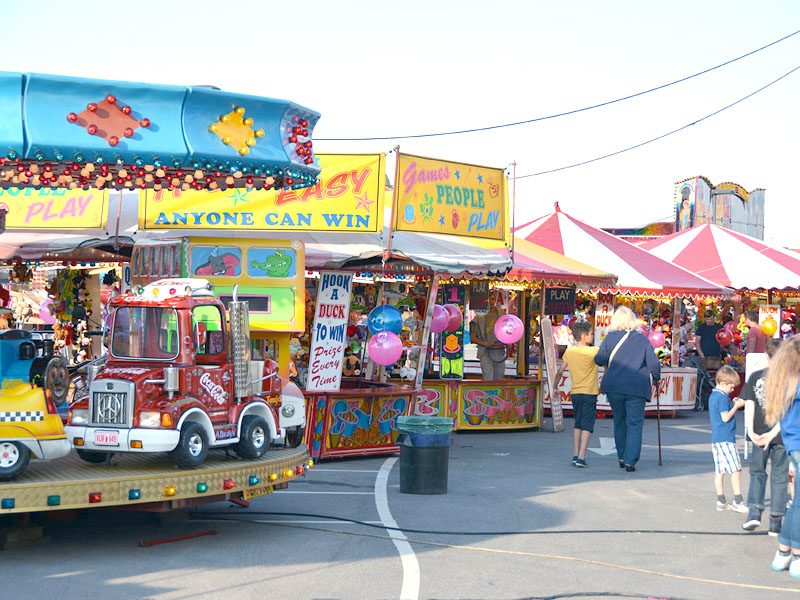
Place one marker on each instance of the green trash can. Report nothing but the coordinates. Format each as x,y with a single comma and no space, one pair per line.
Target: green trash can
424,452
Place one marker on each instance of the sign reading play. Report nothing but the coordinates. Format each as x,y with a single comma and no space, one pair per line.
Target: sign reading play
438,196
53,208
349,197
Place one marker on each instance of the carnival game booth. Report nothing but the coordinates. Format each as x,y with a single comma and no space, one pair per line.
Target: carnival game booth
765,278
360,417
652,287
454,385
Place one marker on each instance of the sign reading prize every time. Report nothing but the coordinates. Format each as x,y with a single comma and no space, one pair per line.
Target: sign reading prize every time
329,331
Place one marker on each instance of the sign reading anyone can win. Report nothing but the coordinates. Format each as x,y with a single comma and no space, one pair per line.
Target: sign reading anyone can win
437,196
349,197
329,332
58,208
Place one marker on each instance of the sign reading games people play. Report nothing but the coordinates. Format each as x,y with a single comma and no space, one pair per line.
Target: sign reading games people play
438,196
329,331
53,208
349,197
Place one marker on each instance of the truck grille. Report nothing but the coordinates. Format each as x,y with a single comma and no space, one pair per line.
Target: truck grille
111,403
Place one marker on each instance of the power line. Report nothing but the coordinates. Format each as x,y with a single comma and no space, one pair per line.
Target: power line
716,112
563,114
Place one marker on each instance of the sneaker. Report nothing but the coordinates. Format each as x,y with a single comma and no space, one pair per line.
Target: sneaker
630,468
775,522
794,567
753,519
575,460
737,507
581,463
622,464
781,562
723,505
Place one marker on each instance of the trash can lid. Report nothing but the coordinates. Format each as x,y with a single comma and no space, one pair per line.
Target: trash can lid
420,424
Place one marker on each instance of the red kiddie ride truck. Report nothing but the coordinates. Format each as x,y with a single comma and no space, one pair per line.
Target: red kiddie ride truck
179,379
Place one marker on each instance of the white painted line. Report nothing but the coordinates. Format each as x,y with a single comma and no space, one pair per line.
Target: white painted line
327,522
326,493
410,589
318,470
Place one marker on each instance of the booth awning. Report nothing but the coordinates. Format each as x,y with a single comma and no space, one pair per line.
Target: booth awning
638,271
729,258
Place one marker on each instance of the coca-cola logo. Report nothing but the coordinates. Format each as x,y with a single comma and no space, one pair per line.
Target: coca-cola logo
215,390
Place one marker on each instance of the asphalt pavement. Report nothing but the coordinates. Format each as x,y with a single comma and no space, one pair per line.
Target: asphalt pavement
518,521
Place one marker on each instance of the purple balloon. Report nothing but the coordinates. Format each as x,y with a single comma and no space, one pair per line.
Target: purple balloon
656,339
440,319
508,329
456,317
385,348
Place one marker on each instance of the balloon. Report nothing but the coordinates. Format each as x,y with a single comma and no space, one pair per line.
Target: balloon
724,337
385,318
656,339
731,326
508,329
572,321
44,312
456,318
440,319
385,348
769,326
565,321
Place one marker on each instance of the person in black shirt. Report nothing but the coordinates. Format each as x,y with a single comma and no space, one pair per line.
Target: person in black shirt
706,341
768,445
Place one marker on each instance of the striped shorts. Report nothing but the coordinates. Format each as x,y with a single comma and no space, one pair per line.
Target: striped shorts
726,457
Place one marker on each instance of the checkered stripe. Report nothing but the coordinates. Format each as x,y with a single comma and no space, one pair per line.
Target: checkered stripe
21,416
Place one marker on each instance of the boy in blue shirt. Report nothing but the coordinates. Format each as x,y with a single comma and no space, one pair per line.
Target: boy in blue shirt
722,413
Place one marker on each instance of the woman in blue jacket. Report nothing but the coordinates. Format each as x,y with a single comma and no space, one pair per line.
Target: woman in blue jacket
783,405
630,362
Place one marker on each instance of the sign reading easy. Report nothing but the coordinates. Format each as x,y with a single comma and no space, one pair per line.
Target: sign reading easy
329,331
559,300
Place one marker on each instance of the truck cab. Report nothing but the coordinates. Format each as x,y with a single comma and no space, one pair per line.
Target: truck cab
179,379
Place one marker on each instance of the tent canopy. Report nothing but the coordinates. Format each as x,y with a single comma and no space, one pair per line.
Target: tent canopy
638,271
729,258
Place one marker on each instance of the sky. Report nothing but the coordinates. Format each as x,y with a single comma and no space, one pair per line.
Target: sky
381,69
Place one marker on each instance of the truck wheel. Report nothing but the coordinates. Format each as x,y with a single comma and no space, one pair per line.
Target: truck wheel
14,458
94,457
192,447
294,436
254,437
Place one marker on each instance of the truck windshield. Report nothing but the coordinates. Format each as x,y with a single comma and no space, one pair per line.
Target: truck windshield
144,332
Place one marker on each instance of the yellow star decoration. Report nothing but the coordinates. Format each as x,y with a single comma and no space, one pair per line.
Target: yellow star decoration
236,131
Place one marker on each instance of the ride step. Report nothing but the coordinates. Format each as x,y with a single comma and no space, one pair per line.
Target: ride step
12,538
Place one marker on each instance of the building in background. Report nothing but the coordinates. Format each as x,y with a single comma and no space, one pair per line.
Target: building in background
729,205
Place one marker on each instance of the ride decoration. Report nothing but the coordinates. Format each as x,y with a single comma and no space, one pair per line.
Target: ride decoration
71,132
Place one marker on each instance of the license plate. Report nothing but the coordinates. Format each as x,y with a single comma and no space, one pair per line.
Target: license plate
259,491
106,438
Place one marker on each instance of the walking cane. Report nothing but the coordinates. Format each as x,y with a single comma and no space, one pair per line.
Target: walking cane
658,412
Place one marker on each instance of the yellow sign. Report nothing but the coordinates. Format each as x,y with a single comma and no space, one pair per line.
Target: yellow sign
349,197
54,208
438,196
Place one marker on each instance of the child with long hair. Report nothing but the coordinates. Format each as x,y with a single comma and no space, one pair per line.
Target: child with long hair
783,406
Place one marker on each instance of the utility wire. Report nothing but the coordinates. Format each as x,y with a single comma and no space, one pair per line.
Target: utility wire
716,112
563,114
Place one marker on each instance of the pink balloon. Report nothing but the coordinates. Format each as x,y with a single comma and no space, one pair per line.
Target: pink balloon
385,348
656,339
508,329
44,312
731,326
440,319
456,318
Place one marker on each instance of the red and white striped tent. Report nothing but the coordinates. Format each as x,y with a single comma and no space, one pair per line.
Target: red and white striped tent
729,258
638,271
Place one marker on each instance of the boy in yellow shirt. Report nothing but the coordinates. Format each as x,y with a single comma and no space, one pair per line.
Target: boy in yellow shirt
583,372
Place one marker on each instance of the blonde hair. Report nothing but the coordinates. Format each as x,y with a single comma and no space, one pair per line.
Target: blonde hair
623,319
727,374
782,379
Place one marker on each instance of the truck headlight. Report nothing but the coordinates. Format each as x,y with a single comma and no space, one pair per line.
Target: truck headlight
150,419
287,410
79,416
